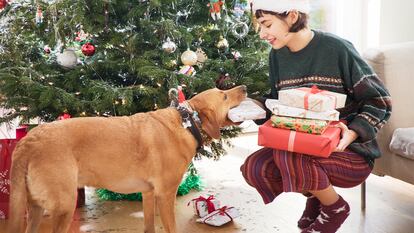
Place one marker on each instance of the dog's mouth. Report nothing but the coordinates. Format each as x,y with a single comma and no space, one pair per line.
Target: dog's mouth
237,95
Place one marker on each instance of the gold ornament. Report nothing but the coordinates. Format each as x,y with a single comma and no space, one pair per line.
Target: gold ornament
222,43
189,58
171,64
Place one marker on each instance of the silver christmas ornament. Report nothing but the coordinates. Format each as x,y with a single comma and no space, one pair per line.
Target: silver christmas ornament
67,59
169,46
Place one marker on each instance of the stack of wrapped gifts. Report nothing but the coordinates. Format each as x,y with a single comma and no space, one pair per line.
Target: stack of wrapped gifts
300,121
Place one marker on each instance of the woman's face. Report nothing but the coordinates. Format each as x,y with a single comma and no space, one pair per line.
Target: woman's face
274,30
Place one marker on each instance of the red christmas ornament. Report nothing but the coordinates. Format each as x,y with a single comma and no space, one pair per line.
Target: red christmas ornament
88,49
64,116
3,4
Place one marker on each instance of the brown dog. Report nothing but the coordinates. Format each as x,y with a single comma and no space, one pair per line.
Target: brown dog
145,152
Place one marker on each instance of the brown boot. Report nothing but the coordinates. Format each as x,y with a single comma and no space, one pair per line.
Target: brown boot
310,213
330,218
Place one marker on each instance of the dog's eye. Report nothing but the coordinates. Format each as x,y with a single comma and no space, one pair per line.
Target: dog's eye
225,96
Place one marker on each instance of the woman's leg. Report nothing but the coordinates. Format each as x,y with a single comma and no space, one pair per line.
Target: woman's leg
260,172
303,173
327,196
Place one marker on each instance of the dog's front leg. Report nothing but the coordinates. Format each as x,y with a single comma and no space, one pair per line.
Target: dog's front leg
166,205
149,209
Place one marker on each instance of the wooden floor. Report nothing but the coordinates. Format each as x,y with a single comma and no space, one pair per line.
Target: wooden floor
390,205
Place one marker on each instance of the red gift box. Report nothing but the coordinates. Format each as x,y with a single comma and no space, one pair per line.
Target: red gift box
305,143
6,149
21,131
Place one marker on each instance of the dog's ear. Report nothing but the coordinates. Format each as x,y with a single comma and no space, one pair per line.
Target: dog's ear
210,124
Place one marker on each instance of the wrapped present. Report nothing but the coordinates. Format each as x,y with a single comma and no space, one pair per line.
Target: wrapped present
279,109
6,149
220,216
203,206
299,124
312,99
247,110
283,139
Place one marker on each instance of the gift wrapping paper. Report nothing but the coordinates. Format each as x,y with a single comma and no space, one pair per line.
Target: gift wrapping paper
6,149
279,109
312,99
247,110
220,216
299,124
203,206
311,144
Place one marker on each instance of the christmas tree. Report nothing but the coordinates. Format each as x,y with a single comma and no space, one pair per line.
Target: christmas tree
119,57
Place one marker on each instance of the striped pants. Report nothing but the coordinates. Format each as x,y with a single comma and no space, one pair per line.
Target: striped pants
272,172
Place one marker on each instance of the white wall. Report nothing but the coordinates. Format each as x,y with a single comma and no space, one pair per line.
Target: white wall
396,22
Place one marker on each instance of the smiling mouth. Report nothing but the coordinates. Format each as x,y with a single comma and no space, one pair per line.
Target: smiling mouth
272,41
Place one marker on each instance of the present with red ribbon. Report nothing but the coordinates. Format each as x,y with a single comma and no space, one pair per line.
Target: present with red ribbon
6,149
204,206
312,99
305,143
220,217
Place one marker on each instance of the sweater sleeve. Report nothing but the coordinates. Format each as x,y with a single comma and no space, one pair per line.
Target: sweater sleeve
273,76
369,92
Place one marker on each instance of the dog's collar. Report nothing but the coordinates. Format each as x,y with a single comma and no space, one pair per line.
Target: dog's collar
191,121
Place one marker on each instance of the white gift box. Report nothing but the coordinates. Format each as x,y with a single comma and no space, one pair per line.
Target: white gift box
247,110
312,99
220,216
279,109
203,206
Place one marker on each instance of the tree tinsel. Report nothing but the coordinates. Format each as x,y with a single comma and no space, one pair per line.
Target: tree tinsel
190,182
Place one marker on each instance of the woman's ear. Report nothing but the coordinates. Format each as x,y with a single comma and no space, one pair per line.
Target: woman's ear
293,17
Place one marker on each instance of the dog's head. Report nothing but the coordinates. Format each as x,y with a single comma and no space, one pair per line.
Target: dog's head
213,105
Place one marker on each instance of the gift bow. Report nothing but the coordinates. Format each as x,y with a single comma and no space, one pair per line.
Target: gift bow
313,91
210,204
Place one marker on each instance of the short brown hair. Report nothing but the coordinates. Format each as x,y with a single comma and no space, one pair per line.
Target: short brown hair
300,24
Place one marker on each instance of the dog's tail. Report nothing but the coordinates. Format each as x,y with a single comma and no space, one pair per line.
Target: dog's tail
18,191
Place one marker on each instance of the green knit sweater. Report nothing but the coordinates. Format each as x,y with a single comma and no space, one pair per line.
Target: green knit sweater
333,64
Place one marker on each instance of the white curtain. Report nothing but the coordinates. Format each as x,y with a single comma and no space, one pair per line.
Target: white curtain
355,20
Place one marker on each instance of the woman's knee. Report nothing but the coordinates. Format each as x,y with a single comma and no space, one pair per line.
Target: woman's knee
253,165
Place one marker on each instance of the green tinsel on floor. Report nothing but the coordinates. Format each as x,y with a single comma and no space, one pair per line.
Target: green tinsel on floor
192,181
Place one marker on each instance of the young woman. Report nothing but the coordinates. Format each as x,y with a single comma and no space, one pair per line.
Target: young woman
301,57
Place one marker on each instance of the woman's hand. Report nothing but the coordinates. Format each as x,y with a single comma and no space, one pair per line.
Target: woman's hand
347,137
